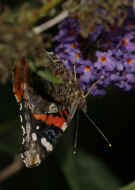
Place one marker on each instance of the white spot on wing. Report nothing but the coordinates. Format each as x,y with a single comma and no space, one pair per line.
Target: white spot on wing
64,126
23,129
20,106
37,127
21,119
46,144
22,156
34,136
23,141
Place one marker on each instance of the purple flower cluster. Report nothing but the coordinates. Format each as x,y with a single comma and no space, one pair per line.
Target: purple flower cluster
113,60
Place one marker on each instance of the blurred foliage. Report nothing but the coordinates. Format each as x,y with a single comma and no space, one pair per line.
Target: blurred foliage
17,19
8,142
92,12
88,172
9,133
44,73
131,186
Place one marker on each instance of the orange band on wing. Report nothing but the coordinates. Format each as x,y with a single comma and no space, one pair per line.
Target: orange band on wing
59,121
41,117
50,120
56,121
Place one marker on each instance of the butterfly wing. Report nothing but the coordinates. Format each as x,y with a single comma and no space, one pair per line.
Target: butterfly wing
43,122
46,108
31,152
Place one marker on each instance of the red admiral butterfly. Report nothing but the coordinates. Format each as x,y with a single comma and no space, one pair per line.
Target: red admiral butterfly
46,108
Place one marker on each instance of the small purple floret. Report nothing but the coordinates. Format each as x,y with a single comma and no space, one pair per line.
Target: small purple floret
114,56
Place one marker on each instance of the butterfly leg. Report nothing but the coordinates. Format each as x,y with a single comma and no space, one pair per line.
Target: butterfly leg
92,86
74,70
75,134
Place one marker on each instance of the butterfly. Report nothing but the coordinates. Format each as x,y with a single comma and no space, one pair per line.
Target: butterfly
46,108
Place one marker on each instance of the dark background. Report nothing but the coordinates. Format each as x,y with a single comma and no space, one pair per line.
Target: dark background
113,113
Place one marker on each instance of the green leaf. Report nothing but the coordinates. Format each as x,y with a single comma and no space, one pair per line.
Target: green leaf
44,74
9,137
88,172
131,186
49,76
7,148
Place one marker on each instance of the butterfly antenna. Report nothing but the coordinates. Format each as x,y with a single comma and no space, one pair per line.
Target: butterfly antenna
75,135
98,129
